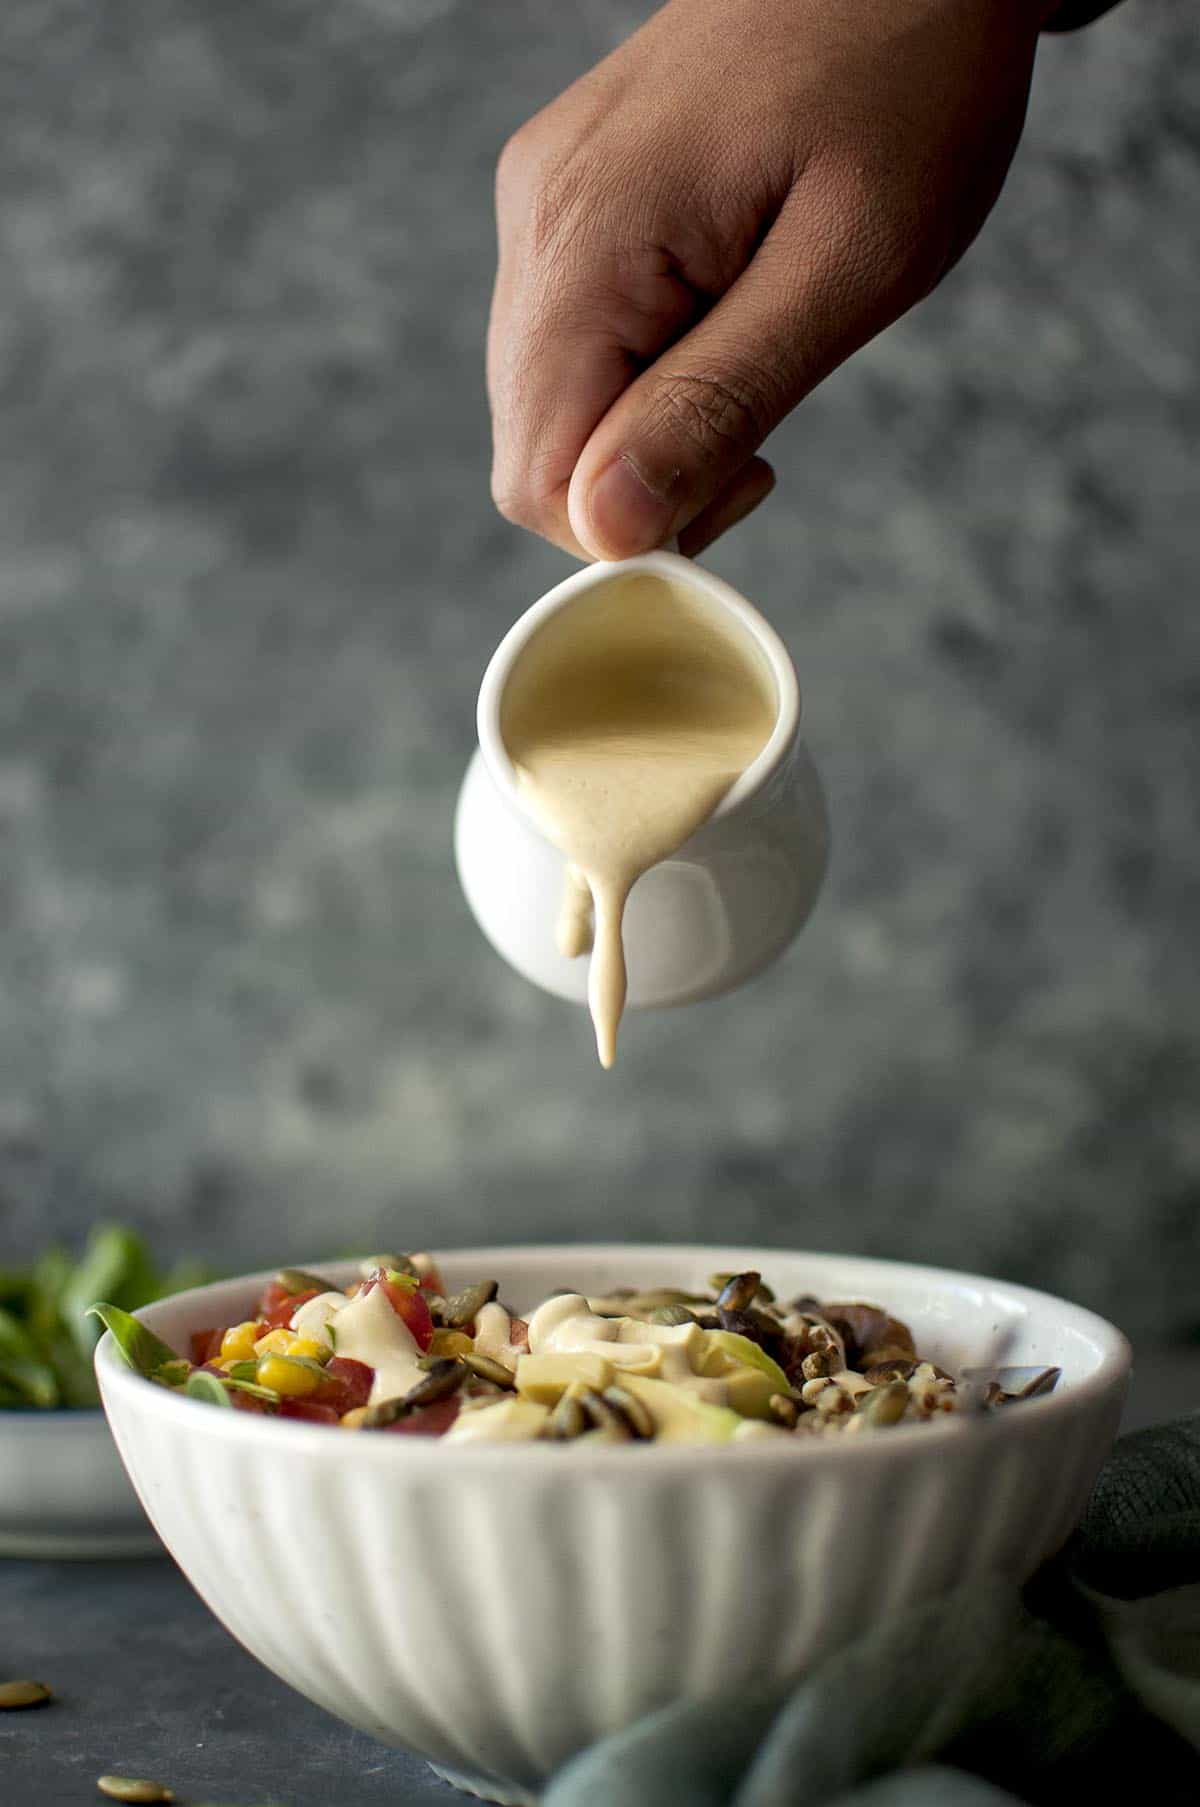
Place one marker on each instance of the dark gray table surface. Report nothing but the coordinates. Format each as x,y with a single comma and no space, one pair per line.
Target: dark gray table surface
147,1683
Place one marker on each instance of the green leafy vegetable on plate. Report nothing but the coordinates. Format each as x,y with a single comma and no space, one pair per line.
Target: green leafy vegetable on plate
47,1332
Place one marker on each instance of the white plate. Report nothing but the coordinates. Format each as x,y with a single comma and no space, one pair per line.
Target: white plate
64,1491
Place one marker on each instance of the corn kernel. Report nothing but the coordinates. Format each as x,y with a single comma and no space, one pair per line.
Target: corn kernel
287,1377
309,1346
237,1344
450,1342
276,1342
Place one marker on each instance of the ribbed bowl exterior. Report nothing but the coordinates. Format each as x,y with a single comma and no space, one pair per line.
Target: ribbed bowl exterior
499,1609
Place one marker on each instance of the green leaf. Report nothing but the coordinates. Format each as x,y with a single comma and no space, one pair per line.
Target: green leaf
244,1376
28,1382
174,1374
115,1265
254,1390
143,1351
206,1387
14,1338
14,1287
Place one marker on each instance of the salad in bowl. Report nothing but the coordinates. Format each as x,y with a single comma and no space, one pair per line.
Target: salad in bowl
395,1351
493,1504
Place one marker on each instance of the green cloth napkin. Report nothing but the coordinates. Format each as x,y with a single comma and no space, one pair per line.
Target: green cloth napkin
1086,1687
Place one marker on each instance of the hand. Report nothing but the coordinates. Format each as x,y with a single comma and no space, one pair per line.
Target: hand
708,223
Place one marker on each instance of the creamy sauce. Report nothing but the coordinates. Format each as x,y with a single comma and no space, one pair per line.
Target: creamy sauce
670,1352
627,718
365,1329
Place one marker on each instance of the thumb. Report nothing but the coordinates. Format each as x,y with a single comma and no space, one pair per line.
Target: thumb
679,435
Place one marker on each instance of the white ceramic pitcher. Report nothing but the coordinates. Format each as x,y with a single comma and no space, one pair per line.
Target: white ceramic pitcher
722,907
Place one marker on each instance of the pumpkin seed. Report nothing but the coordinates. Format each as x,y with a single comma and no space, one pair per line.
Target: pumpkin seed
487,1369
173,1374
386,1412
464,1306
756,1325
640,1305
298,1280
632,1410
672,1314
23,1694
568,1419
898,1368
132,1788
444,1377
1043,1380
604,1418
886,1404
762,1292
449,1342
739,1291
396,1264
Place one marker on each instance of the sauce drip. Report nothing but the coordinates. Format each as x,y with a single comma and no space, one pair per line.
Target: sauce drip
627,718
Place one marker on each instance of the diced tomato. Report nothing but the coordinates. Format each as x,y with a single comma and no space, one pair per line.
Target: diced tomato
276,1305
308,1410
206,1346
346,1384
408,1304
246,1402
427,1421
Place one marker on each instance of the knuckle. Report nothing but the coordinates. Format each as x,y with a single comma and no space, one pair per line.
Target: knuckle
515,163
545,191
513,500
716,415
523,498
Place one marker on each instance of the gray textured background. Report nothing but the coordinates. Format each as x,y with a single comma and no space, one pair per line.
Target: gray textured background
249,577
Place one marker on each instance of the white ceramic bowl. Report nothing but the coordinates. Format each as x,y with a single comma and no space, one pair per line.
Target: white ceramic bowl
64,1490
498,1608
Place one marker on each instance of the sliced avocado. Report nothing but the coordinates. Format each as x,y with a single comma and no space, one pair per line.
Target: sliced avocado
679,1417
510,1420
749,1392
739,1349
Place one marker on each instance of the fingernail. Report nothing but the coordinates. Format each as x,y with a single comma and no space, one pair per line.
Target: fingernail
625,516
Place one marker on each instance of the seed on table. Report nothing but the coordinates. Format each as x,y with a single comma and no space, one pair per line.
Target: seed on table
132,1788
23,1694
